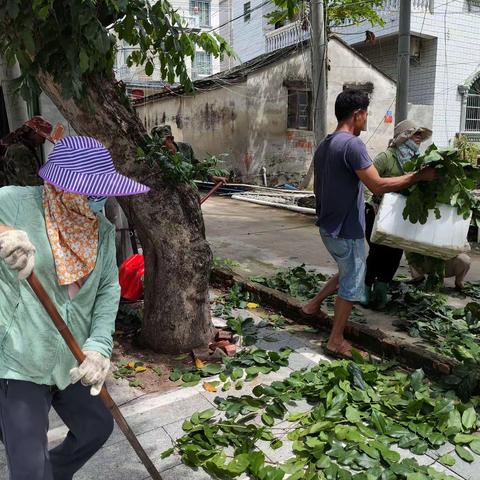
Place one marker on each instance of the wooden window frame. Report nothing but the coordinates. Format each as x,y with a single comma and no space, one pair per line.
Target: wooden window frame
294,108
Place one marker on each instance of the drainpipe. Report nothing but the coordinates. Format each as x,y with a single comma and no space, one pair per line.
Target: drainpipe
401,109
263,171
463,91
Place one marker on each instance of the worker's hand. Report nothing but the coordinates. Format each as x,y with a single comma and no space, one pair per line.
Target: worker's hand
92,371
18,252
426,174
216,179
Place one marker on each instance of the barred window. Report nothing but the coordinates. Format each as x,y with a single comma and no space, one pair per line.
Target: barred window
299,109
247,10
472,114
202,65
201,8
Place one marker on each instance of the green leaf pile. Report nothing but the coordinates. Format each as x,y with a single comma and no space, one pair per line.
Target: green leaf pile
244,366
457,179
297,282
450,331
302,284
359,416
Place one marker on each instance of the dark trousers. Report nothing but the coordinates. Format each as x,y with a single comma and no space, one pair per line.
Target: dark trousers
382,261
24,408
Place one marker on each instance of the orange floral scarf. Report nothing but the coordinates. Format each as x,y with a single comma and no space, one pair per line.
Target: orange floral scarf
72,230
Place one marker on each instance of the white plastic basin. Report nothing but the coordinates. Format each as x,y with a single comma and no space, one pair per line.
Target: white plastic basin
443,238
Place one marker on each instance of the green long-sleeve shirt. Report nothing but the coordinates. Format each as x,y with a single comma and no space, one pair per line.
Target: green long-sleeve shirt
30,347
387,165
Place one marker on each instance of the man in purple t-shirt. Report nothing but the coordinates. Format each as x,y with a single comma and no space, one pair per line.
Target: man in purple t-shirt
342,167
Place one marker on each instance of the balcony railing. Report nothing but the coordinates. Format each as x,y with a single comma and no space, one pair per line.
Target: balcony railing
417,5
191,22
294,33
285,36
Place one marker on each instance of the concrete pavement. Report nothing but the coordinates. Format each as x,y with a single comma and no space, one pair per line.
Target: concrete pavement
262,239
157,420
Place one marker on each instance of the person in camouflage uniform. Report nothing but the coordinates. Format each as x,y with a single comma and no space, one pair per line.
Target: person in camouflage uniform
164,133
19,160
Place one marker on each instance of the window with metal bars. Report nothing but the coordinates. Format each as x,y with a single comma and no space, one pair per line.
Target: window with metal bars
202,65
472,114
299,109
201,8
247,10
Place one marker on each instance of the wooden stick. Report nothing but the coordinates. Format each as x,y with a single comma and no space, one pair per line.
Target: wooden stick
211,192
65,332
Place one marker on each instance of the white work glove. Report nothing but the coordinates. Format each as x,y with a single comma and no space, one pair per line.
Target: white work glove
92,371
18,252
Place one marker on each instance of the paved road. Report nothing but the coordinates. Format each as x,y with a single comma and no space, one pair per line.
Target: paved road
265,238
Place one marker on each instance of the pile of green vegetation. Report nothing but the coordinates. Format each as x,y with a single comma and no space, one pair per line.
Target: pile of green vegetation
357,413
175,167
457,178
302,284
234,371
297,281
450,331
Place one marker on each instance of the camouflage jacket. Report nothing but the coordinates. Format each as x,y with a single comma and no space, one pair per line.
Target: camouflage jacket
19,166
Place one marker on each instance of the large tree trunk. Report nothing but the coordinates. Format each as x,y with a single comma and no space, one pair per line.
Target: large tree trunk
168,220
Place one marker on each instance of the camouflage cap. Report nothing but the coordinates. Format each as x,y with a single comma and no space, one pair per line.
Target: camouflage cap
162,131
40,126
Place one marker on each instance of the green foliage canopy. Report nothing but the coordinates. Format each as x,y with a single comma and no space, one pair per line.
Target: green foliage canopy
75,41
337,12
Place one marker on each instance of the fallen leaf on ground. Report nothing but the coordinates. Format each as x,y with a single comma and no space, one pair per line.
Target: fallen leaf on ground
209,387
252,305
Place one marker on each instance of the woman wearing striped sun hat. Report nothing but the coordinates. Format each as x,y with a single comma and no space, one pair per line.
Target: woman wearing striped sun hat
57,228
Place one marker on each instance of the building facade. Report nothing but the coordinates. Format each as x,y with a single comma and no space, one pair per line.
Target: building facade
246,27
260,113
444,63
445,55
197,15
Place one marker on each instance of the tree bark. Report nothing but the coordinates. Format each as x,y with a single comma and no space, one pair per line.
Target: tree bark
168,220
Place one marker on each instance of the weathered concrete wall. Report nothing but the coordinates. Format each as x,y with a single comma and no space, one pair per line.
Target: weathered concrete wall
214,122
349,68
249,120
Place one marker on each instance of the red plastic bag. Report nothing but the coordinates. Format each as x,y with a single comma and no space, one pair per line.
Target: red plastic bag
131,277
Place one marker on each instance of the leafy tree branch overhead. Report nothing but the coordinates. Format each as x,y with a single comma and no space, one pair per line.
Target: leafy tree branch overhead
72,40
337,12
67,48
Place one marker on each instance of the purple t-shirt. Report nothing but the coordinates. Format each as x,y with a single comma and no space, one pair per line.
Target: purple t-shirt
339,192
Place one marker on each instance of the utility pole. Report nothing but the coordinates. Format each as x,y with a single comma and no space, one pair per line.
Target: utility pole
319,60
401,109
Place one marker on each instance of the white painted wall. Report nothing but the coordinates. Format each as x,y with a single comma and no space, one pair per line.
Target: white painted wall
248,37
447,61
249,120
137,74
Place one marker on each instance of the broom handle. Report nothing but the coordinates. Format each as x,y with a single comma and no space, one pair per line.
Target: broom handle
211,192
65,332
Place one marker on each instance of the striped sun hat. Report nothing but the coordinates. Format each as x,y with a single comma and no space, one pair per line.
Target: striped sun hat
83,165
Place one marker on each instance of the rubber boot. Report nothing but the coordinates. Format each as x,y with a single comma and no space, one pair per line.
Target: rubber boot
380,295
368,295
